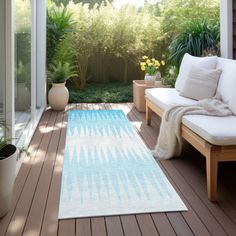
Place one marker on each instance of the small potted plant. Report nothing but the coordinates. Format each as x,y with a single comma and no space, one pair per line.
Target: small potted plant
8,155
58,95
151,69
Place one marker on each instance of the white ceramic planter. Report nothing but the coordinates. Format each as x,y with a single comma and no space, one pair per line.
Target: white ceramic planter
7,178
58,96
150,79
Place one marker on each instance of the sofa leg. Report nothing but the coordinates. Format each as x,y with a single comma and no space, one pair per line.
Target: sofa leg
148,115
212,173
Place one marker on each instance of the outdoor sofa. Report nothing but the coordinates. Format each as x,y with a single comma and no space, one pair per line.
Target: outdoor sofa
214,137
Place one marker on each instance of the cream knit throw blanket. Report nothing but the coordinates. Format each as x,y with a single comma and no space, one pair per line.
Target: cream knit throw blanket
169,143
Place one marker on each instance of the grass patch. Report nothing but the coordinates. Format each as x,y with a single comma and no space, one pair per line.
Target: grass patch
109,92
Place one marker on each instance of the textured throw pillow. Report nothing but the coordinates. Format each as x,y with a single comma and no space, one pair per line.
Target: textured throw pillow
189,61
201,83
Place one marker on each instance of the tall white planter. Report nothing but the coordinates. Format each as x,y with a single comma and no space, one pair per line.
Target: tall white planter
58,96
7,178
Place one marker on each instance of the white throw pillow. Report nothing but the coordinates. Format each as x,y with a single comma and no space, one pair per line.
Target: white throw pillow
201,83
227,84
232,101
189,61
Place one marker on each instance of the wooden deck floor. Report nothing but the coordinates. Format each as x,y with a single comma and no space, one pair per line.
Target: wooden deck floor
37,189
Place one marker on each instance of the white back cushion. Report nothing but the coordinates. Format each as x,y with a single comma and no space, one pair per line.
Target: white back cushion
189,61
226,86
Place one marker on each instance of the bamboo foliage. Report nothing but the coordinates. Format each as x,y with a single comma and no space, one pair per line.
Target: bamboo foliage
125,33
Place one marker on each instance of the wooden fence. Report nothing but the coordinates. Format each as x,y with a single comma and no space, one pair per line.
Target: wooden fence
103,69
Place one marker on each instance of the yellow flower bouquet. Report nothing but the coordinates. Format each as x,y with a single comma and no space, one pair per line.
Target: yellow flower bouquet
151,66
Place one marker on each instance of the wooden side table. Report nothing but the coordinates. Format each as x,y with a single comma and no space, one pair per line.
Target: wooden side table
139,87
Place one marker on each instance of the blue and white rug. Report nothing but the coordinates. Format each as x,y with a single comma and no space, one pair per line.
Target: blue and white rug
109,171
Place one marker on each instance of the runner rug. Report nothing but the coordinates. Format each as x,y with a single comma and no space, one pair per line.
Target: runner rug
108,170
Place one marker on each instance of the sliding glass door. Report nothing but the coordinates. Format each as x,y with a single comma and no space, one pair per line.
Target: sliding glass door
22,67
2,64
22,51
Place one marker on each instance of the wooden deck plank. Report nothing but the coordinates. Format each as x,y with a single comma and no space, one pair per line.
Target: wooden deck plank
83,227
25,168
199,187
66,227
50,221
35,217
130,225
146,225
190,217
179,224
206,217
228,209
20,215
98,226
163,225
113,225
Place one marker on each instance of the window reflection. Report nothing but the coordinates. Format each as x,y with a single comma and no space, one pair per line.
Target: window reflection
22,27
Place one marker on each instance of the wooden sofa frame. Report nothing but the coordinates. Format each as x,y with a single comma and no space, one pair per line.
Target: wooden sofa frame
212,153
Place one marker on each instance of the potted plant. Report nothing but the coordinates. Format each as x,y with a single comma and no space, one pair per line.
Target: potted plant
151,69
58,95
8,155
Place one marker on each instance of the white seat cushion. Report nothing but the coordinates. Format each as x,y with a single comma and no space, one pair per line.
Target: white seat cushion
216,130
165,97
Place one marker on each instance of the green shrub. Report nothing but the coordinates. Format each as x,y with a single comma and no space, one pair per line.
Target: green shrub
178,13
110,92
59,23
171,76
195,38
